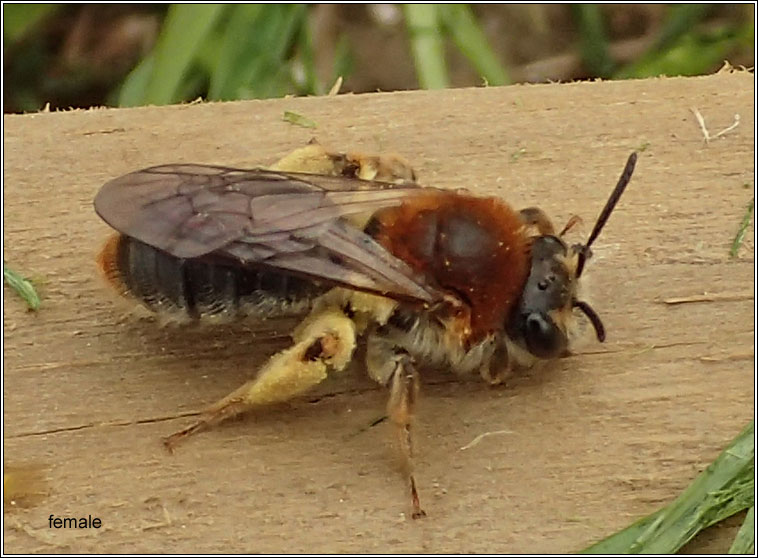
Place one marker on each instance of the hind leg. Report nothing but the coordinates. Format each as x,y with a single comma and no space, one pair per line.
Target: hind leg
324,341
315,159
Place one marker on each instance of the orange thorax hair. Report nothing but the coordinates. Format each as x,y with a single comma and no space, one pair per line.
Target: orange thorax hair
474,248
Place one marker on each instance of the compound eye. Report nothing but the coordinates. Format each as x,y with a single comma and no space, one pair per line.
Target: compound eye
542,336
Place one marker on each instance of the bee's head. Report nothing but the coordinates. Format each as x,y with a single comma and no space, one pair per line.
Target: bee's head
541,319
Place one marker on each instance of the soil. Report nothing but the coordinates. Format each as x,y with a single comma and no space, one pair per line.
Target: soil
578,449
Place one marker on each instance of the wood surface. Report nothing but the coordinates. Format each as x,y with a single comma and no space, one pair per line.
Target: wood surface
579,449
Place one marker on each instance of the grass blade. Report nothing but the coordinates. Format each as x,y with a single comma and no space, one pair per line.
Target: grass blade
593,42
726,487
298,119
681,19
741,231
423,22
18,19
132,90
622,542
744,542
468,36
310,84
256,57
185,27
22,286
343,59
693,53
239,40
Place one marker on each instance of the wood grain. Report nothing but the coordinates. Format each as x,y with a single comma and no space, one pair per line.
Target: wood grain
594,441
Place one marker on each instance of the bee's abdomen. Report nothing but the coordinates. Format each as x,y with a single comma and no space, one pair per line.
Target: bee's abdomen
196,288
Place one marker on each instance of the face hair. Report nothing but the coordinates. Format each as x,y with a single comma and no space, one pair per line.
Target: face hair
626,176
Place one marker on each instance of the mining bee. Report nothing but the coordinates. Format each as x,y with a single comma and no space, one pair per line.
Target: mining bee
427,277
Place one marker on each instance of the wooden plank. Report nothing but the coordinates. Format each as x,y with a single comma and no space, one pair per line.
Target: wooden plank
594,441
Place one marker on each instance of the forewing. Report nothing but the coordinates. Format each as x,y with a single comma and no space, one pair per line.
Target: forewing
288,221
338,253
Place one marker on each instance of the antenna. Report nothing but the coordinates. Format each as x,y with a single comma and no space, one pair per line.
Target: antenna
624,180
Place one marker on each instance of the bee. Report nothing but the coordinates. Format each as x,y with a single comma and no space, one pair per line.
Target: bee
427,277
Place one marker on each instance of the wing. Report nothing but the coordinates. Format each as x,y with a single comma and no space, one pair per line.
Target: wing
288,221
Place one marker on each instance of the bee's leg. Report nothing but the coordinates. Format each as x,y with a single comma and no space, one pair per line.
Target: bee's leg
392,366
312,158
324,341
404,387
497,368
535,217
315,159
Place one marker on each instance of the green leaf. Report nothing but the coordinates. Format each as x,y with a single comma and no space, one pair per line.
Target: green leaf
593,40
298,119
22,286
343,59
306,57
132,91
694,52
741,231
744,542
423,22
468,36
253,62
239,40
726,487
182,35
680,20
18,19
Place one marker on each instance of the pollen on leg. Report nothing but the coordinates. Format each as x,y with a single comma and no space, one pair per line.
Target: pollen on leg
330,346
335,333
323,348
325,341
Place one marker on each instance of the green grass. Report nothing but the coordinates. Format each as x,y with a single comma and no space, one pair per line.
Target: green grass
225,52
593,40
20,19
429,26
725,488
262,51
159,78
22,287
681,19
682,48
459,21
246,51
744,542
427,44
741,231
254,59
298,119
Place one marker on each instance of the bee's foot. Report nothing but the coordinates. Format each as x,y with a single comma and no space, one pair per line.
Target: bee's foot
418,514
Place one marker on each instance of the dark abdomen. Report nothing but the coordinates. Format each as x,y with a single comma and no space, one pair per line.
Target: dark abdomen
202,287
